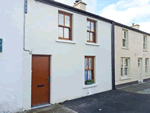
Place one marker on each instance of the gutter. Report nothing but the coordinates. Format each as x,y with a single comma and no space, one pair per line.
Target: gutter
113,54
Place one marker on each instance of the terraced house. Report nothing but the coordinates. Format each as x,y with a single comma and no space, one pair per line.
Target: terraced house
132,54
70,53
51,52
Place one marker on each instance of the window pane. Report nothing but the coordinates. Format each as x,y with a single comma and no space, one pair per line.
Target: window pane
66,33
145,61
121,62
90,63
144,47
89,75
121,71
60,31
124,43
126,71
67,21
61,19
88,36
92,26
125,34
91,37
146,69
86,63
126,62
88,25
144,39
86,76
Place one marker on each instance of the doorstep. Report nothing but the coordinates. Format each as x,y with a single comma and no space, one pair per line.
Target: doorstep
56,108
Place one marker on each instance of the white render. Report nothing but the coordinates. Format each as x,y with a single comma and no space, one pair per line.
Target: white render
67,57
11,59
134,51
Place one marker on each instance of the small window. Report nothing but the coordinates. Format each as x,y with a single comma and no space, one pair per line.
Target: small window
65,26
91,31
89,70
144,43
124,67
125,39
146,66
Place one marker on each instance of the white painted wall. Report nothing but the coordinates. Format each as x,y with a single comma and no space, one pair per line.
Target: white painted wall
67,59
11,59
134,51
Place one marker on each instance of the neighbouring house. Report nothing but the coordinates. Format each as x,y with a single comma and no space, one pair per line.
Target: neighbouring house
11,55
132,55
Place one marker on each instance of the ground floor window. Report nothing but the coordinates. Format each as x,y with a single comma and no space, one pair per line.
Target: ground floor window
125,67
146,66
89,70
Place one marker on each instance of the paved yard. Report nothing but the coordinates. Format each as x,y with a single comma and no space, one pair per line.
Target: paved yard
130,99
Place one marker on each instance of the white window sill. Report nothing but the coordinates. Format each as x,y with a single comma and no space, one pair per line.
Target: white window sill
125,78
92,44
147,75
125,48
145,50
89,86
66,41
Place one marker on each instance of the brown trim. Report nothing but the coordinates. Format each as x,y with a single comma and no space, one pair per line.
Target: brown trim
63,26
93,32
93,61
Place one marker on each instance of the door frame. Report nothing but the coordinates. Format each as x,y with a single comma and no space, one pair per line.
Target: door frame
49,77
140,78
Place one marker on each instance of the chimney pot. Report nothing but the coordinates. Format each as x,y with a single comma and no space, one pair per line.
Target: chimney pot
135,26
80,5
132,24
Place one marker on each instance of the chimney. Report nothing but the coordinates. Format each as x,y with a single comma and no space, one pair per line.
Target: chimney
80,5
135,26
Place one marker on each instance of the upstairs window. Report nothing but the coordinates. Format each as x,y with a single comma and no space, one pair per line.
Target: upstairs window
124,67
125,39
146,66
144,43
65,25
91,31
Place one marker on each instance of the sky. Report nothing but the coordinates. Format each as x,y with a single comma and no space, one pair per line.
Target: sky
123,11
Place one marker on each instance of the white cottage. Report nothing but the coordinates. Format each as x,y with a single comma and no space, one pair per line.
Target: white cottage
53,52
69,53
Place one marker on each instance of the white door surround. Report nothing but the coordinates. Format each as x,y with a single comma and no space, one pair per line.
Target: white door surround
140,70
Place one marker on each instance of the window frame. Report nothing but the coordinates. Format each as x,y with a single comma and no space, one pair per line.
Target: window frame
93,68
147,66
126,39
145,43
123,66
63,26
94,32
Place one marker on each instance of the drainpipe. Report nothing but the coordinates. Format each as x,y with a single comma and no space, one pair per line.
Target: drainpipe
25,12
113,54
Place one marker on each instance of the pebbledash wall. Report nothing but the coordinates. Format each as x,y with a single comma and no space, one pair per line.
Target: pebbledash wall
11,59
134,51
67,58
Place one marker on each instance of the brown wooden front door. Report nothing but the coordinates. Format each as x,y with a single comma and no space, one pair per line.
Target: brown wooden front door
40,80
